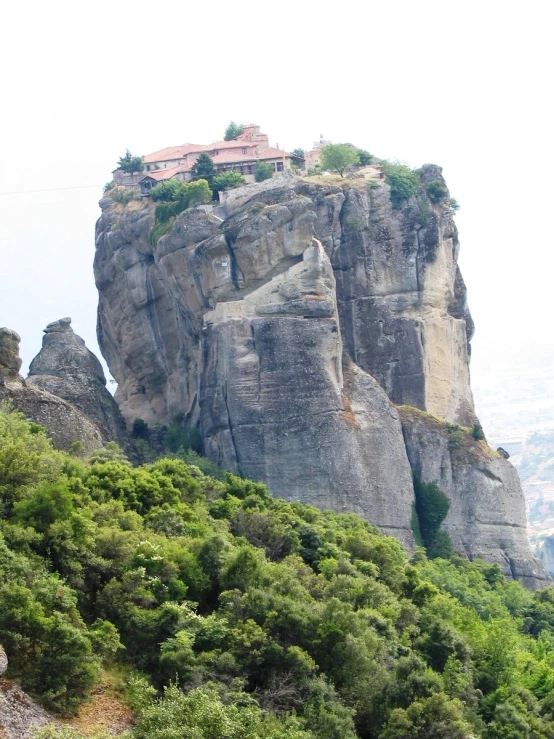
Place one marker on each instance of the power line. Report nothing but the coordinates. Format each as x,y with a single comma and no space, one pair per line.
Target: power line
52,189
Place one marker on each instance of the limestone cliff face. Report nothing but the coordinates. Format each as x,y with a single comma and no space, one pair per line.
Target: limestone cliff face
487,508
286,323
65,423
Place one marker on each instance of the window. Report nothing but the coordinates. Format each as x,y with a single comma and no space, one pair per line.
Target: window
245,150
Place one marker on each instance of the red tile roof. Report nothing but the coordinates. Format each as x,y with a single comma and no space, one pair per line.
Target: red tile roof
272,153
168,173
234,156
172,152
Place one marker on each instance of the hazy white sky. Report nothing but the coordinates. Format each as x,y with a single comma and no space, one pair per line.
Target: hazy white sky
466,85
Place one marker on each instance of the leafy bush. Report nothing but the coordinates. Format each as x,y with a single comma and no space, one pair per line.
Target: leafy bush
228,181
454,205
432,506
436,191
477,432
263,171
182,437
402,180
166,191
176,197
364,157
123,195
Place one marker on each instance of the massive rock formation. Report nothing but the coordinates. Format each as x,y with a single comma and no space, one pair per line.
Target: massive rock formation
66,368
65,423
286,323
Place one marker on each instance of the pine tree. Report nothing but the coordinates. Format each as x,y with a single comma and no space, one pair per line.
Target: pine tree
204,169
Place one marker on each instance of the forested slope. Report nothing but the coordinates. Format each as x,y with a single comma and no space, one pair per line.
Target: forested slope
233,614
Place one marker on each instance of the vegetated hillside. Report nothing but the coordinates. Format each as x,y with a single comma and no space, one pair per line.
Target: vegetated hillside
238,615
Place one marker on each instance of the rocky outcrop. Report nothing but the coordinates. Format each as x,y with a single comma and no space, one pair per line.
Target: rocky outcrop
20,716
66,368
487,508
65,423
285,323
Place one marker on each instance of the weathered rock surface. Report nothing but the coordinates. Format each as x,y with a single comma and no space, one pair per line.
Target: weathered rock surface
487,508
65,423
20,716
244,314
275,405
66,368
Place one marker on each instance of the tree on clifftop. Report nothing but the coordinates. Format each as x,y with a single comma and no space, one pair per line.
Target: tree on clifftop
129,163
233,130
338,157
264,171
228,180
204,169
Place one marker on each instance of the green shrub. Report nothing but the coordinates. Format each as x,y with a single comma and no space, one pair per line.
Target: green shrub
167,191
436,191
454,205
158,230
228,181
122,195
263,171
402,180
477,432
183,437
364,157
432,506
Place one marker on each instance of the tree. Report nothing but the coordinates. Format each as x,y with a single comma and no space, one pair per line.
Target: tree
299,156
264,171
233,131
338,157
437,716
365,157
130,163
228,180
204,169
